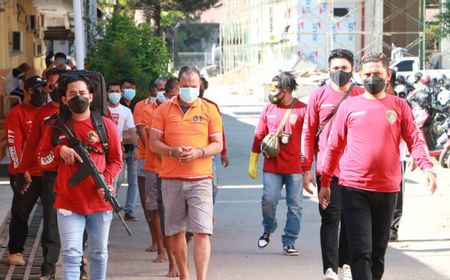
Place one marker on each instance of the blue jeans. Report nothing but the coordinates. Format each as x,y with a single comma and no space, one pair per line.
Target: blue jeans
71,227
132,191
273,184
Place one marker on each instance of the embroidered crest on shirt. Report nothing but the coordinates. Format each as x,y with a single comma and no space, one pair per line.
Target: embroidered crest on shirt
391,116
93,137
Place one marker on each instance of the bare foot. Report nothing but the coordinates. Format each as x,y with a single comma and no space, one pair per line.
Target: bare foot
161,258
173,272
152,248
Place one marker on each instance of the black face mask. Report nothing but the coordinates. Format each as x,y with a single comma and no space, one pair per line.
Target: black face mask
374,85
54,95
274,99
78,104
38,98
340,77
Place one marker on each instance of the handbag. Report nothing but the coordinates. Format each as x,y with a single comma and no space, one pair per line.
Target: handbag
270,145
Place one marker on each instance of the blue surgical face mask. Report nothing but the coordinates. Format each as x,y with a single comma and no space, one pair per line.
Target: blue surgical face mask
161,96
129,93
152,100
189,95
114,97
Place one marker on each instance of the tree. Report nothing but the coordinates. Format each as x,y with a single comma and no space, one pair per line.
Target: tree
129,51
189,8
443,20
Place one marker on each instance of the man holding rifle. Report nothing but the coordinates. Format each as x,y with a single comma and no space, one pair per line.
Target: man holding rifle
80,201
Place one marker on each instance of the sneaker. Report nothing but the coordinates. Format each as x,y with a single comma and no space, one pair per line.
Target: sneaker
346,272
330,274
264,240
130,216
290,250
16,259
393,237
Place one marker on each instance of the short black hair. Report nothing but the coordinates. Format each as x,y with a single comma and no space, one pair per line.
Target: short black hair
62,84
341,53
286,80
60,55
171,84
375,57
53,71
112,83
127,80
188,70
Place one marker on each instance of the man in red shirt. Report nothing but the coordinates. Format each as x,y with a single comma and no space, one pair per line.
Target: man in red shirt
322,102
286,168
365,141
28,186
83,205
50,237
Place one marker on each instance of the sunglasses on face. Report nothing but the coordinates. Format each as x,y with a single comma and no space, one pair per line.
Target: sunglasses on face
273,86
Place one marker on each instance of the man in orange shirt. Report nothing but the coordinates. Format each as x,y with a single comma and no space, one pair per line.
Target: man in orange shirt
186,133
146,106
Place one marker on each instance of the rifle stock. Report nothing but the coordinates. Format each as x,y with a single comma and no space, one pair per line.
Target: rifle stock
88,167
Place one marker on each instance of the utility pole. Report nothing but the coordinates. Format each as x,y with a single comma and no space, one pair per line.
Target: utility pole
79,34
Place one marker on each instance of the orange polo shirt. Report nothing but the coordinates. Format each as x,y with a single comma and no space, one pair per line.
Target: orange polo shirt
150,157
193,128
140,107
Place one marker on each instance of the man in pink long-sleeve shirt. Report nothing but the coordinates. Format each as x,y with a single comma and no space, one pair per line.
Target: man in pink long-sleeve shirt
322,102
364,141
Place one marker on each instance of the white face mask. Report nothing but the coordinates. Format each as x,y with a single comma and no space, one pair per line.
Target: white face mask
161,97
189,95
152,99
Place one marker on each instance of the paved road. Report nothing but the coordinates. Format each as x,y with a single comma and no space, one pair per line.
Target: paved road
422,253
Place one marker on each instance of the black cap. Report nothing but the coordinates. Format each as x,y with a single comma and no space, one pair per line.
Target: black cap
34,81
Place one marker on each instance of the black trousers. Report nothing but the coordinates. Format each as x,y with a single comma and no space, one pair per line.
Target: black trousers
21,208
367,217
332,240
50,234
398,210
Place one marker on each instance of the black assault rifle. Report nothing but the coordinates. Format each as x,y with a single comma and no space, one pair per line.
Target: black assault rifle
87,168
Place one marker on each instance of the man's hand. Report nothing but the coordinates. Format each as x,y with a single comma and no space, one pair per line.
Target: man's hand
307,180
69,156
411,163
324,197
431,180
188,153
101,192
136,153
224,159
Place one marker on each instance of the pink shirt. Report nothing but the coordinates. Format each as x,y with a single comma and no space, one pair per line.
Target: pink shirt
367,133
321,103
289,160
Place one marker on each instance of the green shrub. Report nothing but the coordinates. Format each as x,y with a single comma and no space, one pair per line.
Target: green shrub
127,50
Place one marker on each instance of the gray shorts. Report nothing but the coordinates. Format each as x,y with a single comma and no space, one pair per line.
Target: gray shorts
140,168
150,191
188,206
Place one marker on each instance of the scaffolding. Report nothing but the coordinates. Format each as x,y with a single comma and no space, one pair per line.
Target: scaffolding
292,34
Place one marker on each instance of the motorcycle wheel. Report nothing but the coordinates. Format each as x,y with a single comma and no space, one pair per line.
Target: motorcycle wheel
444,158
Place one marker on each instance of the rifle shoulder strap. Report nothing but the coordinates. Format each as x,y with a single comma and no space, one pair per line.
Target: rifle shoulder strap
99,124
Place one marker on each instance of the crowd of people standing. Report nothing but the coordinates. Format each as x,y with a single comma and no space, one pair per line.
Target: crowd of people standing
169,146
